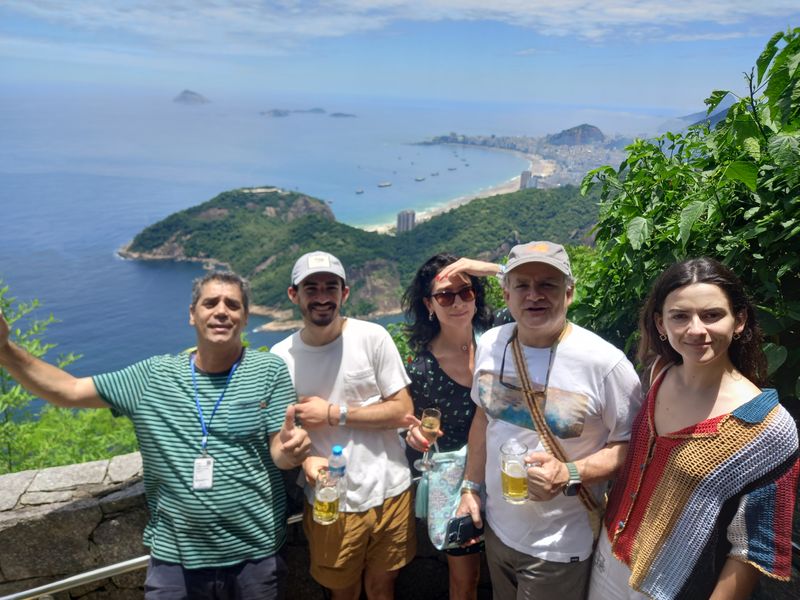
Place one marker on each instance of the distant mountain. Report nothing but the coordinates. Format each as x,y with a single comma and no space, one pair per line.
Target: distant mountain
260,232
681,123
276,112
283,112
575,136
190,97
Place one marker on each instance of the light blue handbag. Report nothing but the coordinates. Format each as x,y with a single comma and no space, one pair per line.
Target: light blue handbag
439,493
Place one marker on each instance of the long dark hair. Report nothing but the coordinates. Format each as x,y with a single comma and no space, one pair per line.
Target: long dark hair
422,330
745,352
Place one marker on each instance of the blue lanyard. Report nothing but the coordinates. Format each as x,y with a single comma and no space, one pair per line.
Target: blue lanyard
203,426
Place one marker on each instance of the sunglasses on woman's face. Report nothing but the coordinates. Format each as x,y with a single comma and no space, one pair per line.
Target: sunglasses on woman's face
467,294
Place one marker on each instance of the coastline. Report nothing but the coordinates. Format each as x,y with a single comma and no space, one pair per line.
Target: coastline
283,322
504,187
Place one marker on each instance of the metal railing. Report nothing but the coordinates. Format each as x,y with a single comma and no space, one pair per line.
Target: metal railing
134,564
44,592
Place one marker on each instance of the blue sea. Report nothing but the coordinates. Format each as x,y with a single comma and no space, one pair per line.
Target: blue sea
82,171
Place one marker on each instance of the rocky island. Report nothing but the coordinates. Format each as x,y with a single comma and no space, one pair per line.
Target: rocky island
285,112
191,98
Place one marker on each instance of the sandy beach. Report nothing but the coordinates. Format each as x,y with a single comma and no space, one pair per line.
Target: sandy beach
282,318
535,164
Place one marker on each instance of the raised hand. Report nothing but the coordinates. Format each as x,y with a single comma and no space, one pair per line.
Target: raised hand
468,266
294,441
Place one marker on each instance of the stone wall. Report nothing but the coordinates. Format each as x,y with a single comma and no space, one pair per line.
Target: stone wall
63,521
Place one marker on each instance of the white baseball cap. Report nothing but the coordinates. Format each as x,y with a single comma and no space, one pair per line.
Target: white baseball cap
316,262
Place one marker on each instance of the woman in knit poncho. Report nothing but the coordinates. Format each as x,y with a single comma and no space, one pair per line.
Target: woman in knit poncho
704,503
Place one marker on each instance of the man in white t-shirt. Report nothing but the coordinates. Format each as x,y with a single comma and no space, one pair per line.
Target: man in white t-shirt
352,390
541,547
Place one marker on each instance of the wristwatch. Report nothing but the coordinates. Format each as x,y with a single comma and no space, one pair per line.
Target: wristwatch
573,485
342,415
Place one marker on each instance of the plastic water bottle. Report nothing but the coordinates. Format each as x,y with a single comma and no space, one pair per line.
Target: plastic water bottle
337,464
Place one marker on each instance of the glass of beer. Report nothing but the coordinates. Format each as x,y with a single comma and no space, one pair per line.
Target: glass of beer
431,422
326,498
513,474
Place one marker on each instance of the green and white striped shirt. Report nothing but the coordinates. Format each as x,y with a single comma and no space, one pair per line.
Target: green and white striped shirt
243,516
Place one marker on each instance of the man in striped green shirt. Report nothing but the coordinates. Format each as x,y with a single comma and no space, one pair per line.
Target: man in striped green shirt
214,427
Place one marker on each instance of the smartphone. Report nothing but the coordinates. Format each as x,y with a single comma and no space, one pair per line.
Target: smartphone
460,530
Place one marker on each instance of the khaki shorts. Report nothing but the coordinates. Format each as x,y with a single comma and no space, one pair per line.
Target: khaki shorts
381,539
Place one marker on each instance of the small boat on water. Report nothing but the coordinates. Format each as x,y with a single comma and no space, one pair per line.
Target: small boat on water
419,179
451,168
435,174
385,184
359,191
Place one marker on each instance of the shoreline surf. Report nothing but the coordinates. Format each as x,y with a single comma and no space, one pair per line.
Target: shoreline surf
504,187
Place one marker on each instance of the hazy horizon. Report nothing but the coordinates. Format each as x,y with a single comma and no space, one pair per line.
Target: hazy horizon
641,56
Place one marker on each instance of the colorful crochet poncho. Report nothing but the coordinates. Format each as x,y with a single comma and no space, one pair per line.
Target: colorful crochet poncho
688,500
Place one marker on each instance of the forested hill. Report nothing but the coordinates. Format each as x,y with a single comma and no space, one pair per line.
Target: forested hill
260,232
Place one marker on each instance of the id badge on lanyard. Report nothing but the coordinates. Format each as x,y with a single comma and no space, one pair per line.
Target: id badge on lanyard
203,477
203,472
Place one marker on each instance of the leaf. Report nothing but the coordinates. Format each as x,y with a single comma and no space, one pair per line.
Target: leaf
714,99
770,324
638,231
752,147
745,172
689,216
778,90
748,214
785,149
766,56
776,356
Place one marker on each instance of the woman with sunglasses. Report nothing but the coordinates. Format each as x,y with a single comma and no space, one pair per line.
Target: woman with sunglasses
443,317
704,503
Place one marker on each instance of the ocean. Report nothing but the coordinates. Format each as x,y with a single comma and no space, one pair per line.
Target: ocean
82,172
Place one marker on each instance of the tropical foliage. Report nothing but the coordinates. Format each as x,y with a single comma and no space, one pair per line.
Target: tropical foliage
732,193
55,436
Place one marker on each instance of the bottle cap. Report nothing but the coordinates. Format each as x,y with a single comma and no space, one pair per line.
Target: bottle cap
337,449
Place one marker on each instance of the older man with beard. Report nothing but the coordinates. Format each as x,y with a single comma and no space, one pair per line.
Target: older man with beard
352,388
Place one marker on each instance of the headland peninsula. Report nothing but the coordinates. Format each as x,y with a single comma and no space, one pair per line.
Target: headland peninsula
260,231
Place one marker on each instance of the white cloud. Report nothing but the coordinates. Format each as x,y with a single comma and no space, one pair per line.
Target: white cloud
254,27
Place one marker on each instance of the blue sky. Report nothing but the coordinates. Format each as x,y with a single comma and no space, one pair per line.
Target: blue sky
610,53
